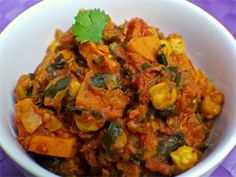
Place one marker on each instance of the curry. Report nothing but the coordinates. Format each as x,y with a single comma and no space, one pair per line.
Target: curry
130,104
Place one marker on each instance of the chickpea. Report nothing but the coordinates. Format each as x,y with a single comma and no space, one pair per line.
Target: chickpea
184,157
211,106
163,95
166,47
177,43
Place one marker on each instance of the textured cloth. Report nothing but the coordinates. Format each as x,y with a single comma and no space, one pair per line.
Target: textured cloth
223,10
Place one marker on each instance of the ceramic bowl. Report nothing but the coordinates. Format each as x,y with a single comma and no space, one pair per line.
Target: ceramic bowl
211,47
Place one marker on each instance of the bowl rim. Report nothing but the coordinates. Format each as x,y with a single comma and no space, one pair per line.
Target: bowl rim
223,153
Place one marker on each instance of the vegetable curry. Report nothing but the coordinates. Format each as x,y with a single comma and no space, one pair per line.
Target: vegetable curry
113,100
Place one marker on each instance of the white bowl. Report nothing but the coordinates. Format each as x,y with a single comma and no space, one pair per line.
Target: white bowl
212,48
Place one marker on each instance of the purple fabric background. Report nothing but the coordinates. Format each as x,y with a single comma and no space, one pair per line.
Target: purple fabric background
223,10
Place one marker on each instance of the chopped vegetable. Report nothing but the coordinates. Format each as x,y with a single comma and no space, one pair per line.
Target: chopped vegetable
146,46
89,25
145,66
98,80
27,112
165,48
104,81
171,144
60,85
162,59
53,146
112,132
175,76
167,112
97,115
74,109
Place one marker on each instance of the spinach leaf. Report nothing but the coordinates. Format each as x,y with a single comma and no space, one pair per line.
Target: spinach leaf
29,91
112,132
81,61
60,85
150,112
51,69
78,73
169,145
58,64
167,112
137,158
97,80
74,109
97,115
145,66
134,159
32,76
175,76
104,81
162,59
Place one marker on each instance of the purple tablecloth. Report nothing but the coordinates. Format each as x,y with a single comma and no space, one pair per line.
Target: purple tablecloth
223,10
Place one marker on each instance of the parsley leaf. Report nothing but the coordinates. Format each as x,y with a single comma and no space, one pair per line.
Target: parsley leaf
89,25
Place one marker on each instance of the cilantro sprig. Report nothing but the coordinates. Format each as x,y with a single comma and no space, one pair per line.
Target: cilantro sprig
89,25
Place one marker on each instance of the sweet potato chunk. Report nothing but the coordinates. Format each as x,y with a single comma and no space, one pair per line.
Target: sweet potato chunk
146,46
98,58
53,146
111,103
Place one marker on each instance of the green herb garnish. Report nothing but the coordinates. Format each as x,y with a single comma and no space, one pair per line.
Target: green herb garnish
89,25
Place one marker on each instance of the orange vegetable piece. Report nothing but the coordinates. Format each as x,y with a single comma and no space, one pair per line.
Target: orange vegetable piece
98,58
146,46
53,146
29,115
